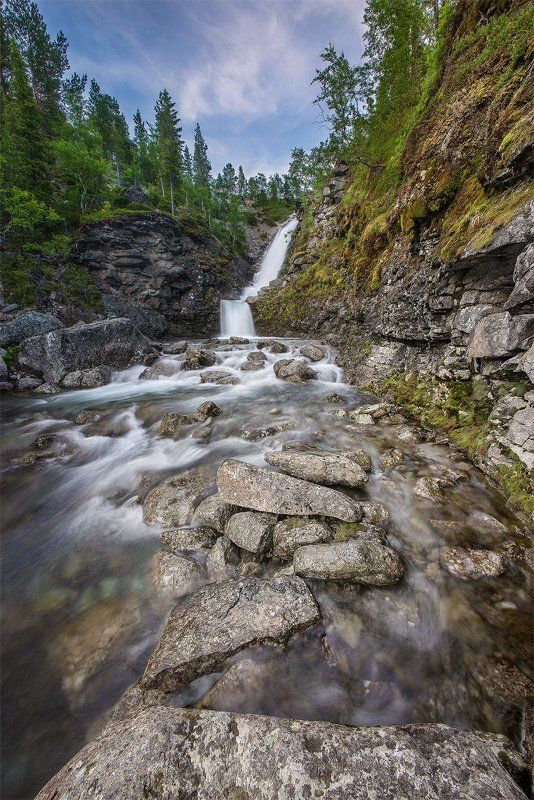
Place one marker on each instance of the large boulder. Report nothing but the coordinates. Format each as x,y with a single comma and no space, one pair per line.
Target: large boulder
27,324
178,753
147,320
115,343
263,490
218,620
523,291
294,371
500,335
331,469
360,561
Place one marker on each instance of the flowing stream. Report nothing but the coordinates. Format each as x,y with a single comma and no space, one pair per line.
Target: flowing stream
83,609
236,317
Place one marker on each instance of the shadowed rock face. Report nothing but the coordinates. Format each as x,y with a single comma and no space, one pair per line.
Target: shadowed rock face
171,753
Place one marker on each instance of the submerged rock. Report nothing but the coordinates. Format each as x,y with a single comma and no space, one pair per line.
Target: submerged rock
241,682
331,469
294,532
251,531
208,409
263,490
359,561
171,503
470,564
172,424
391,458
255,434
294,371
218,620
175,752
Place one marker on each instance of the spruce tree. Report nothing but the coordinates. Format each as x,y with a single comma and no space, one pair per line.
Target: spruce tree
142,146
168,145
229,179
188,164
201,164
241,182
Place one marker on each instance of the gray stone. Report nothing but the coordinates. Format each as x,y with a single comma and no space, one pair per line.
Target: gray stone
47,388
257,356
470,564
294,371
171,503
208,409
196,358
255,434
238,686
523,291
263,490
294,532
251,531
179,539
501,335
219,376
4,372
175,348
331,469
222,560
87,378
375,513
466,319
215,512
172,424
26,324
221,619
113,343
209,755
278,347
175,574
358,561
312,352
391,458
251,366
28,384
147,320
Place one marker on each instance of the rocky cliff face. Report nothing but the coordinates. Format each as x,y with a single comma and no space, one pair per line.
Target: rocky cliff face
438,279
161,272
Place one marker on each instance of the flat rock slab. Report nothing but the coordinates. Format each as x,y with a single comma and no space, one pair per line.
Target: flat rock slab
331,469
264,490
207,755
218,620
359,561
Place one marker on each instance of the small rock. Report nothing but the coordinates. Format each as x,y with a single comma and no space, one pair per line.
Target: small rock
251,366
86,416
361,419
172,424
171,503
312,352
294,532
471,564
429,489
359,561
256,434
278,347
176,574
179,539
330,469
219,376
208,409
375,513
215,512
391,458
238,340
203,432
196,358
335,398
251,531
175,348
222,560
294,371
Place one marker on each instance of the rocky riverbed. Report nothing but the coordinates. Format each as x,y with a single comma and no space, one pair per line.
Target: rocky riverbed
230,530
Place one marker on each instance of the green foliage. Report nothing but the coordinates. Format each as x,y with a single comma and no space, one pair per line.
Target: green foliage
78,286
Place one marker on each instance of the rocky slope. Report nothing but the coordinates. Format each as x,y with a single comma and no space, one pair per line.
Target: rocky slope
436,277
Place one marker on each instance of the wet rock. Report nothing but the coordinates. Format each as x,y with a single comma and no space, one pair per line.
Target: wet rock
196,358
175,574
470,564
294,532
220,377
179,539
256,356
208,409
175,348
335,398
27,324
223,560
172,424
221,619
238,340
294,371
87,378
215,512
115,343
344,531
255,434
391,458
278,347
429,489
47,388
312,352
361,419
171,503
86,416
175,752
409,434
375,513
251,531
164,368
330,469
482,521
358,561
238,686
203,432
263,490
27,384
251,366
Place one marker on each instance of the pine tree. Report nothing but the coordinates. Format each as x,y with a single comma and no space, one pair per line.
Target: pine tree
188,164
168,145
229,180
106,118
201,164
74,98
142,145
241,182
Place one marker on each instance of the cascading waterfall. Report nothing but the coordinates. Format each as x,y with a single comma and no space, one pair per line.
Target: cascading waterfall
236,317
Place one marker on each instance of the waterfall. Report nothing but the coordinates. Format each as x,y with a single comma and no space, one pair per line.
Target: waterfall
236,317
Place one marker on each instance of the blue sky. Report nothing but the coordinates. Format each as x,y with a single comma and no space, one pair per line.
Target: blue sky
241,68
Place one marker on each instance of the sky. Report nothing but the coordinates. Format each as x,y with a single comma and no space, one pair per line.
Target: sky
241,68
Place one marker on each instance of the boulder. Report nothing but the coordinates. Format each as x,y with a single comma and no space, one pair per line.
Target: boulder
359,561
175,348
175,574
221,619
87,378
147,320
252,366
391,458
470,564
331,469
207,410
500,335
312,352
277,347
523,291
294,532
263,490
184,752
171,503
288,369
179,539
223,560
256,356
219,376
215,512
27,324
172,424
196,358
255,434
115,343
251,531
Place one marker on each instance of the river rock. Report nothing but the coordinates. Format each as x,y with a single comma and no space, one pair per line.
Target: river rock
202,538
331,469
238,340
312,352
470,564
223,560
87,378
360,418
217,621
255,434
206,755
278,347
251,366
115,343
294,532
172,424
429,489
375,513
196,358
27,324
208,409
251,531
219,376
288,369
263,490
345,531
171,503
238,686
391,458
175,348
215,512
28,384
359,561
47,388
176,574
257,356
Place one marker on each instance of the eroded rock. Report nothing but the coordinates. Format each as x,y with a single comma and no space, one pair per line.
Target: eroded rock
294,371
171,503
359,561
251,531
331,469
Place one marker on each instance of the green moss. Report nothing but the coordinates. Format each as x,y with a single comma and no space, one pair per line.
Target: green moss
77,285
11,355
518,483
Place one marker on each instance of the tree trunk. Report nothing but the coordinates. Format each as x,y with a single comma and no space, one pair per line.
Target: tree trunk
172,195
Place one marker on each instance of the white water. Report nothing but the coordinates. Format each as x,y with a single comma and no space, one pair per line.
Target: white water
236,317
